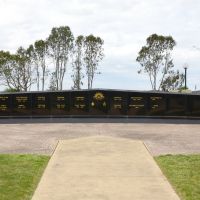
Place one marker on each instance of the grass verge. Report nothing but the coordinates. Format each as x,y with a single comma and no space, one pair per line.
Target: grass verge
183,172
19,175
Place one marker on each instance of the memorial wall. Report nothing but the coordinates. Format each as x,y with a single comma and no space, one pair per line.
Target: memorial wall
102,103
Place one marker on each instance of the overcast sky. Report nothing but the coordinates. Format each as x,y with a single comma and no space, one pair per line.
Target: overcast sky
123,25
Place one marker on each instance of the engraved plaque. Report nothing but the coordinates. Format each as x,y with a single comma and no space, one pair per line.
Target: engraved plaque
21,104
41,104
118,103
157,105
60,103
79,103
137,104
5,107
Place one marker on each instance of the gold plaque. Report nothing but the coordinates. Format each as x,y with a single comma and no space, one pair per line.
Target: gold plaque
98,96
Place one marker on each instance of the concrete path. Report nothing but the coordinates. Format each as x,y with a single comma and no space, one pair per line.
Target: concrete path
103,168
39,136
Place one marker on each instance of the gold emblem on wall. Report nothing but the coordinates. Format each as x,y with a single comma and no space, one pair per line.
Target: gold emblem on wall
98,96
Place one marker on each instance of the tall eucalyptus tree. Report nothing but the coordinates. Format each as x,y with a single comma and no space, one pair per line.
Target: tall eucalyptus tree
16,70
40,61
155,59
60,45
78,62
93,49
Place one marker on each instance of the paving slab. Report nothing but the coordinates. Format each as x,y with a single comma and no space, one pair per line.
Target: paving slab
103,168
161,137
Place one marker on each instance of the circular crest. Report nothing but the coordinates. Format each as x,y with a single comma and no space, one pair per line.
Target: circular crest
99,96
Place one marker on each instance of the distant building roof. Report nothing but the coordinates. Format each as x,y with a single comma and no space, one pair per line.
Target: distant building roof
196,92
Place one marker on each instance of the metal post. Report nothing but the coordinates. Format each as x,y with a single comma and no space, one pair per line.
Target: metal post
185,77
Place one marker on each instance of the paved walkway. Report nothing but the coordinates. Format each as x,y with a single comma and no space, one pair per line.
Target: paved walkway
103,168
39,136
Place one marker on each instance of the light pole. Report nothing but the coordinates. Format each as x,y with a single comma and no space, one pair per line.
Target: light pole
185,67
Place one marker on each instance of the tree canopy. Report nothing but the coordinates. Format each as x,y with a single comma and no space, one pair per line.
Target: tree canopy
93,55
155,59
50,59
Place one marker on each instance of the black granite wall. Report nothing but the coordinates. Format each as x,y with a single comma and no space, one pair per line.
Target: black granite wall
106,103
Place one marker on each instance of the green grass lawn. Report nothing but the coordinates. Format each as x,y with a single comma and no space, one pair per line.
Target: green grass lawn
19,175
184,174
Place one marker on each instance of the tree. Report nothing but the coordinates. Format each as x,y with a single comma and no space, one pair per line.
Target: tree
52,85
11,90
77,63
93,55
7,64
16,70
60,44
39,58
155,58
25,67
174,81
